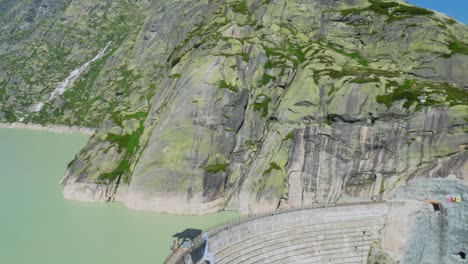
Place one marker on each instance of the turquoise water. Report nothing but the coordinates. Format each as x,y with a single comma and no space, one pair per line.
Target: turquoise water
38,226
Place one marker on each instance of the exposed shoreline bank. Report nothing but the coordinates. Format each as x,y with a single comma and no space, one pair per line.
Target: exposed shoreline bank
51,128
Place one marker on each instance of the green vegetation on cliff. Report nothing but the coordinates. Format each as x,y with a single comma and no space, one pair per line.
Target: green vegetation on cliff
424,94
457,46
216,167
126,144
263,105
393,10
200,98
273,166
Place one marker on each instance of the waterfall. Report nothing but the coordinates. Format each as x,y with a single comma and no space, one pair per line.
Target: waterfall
63,86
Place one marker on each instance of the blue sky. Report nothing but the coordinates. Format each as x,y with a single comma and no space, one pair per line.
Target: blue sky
454,8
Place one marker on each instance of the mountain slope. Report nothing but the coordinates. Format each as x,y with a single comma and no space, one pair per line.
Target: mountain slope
245,105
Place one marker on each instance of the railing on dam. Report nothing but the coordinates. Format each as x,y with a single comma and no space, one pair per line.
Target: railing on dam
178,256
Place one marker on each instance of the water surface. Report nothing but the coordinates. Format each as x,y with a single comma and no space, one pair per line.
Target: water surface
38,226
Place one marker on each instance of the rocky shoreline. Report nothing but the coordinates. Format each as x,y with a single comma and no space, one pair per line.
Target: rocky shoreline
51,128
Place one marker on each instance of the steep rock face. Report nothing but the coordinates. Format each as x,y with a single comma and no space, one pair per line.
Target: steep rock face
120,136
189,148
436,236
245,105
352,160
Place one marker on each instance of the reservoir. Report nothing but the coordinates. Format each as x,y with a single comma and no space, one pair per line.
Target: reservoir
37,225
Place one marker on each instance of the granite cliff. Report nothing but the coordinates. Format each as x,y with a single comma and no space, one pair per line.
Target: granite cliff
201,106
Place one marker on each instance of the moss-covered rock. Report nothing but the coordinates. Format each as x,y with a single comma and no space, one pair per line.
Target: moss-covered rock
212,104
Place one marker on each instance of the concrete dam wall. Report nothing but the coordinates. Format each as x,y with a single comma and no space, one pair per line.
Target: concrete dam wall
333,234
340,234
